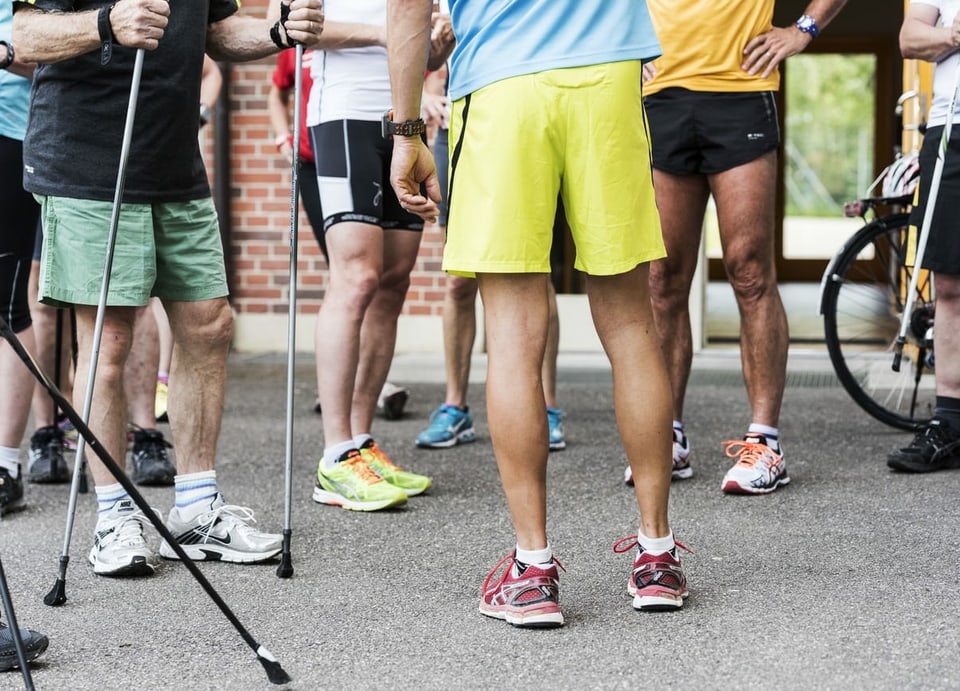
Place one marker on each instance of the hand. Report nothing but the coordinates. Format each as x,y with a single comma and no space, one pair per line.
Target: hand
286,150
766,51
648,72
305,23
411,165
435,108
441,33
140,23
955,31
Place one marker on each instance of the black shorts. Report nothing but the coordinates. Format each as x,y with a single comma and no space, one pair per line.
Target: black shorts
18,230
694,132
942,253
353,174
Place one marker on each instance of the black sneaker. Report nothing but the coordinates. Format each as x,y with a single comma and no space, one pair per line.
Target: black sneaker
11,492
33,645
936,447
46,464
151,465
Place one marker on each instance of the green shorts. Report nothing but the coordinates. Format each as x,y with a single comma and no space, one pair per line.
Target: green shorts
172,251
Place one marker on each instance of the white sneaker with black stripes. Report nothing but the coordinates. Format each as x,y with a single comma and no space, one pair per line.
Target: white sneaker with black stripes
119,546
223,533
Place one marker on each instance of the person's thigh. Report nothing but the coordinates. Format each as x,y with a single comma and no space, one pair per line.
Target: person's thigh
746,213
20,211
607,186
942,252
310,196
190,263
75,244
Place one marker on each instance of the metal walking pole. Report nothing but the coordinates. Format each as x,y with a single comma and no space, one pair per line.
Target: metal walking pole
57,595
928,212
285,569
15,631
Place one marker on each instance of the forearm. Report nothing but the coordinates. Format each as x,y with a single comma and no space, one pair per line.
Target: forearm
408,31
337,35
45,37
824,11
18,66
921,41
278,107
239,38
211,83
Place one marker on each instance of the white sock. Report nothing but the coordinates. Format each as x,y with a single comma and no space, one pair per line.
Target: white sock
772,434
540,557
332,454
362,439
10,460
195,492
655,545
108,495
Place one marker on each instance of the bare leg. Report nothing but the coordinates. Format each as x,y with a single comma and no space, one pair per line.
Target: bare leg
108,412
201,335
378,335
682,201
164,334
548,371
747,233
517,315
623,317
140,374
18,386
45,333
459,334
946,335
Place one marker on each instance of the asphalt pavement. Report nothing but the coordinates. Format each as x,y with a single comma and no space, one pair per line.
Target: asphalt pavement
847,578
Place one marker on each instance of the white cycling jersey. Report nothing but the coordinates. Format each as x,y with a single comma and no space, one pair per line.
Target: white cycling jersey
351,83
945,71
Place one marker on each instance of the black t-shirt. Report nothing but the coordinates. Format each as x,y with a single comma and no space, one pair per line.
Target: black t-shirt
78,109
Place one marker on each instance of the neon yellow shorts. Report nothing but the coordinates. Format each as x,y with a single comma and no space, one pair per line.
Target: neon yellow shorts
172,251
518,144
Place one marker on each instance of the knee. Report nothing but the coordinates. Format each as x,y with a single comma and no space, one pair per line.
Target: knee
461,290
668,291
210,331
751,280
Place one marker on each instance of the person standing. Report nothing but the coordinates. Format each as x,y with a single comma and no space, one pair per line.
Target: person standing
713,123
931,32
525,77
168,240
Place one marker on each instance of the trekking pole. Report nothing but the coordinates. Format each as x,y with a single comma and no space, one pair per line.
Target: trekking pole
57,595
15,631
275,672
928,212
285,569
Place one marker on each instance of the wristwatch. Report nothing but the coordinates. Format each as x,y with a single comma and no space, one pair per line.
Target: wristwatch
8,60
808,25
407,128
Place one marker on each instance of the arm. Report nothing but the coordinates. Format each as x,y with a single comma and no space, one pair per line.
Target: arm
922,39
434,102
442,41
338,35
210,84
278,108
241,37
766,51
53,36
408,37
18,66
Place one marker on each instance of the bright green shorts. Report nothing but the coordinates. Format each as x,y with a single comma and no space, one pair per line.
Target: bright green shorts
172,251
580,133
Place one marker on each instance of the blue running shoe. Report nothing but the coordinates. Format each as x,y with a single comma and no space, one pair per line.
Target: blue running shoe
449,426
555,422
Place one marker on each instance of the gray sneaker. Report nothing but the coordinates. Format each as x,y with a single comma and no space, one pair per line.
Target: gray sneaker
223,533
119,547
11,492
46,463
151,465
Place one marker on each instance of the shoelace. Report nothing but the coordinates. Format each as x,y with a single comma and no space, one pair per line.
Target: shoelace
128,527
381,457
509,559
625,544
231,514
748,453
362,470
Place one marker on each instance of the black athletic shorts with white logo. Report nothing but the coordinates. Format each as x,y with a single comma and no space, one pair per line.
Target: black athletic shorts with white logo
942,253
353,174
698,132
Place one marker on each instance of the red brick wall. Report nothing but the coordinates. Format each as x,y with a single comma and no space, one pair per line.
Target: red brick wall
260,212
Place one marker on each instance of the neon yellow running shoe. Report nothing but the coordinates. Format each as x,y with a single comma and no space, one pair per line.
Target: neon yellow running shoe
380,463
351,484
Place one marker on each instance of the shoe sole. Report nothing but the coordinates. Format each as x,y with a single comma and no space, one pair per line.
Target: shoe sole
558,445
12,507
322,496
138,566
661,602
216,553
48,479
525,620
464,437
414,492
907,466
733,487
11,662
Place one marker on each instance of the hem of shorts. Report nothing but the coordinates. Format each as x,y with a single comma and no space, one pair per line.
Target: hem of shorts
734,163
622,267
69,299
198,295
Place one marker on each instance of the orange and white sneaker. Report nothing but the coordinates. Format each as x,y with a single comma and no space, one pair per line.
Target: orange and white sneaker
411,483
759,468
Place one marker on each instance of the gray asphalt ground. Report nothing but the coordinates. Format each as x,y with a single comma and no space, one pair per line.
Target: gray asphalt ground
845,579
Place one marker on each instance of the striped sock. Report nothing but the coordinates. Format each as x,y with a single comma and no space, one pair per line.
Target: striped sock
195,492
108,495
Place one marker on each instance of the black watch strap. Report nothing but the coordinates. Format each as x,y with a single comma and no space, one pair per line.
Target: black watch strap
7,61
107,39
407,128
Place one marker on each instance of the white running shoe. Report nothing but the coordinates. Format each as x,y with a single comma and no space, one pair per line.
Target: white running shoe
759,468
682,470
119,547
223,533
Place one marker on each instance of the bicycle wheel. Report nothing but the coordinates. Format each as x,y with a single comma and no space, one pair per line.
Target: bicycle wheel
863,299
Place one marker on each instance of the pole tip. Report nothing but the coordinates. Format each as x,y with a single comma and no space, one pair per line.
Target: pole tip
275,673
57,595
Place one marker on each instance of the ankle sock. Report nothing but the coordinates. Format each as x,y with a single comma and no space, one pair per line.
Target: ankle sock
362,440
541,558
334,454
163,377
655,545
771,434
108,495
948,410
10,460
195,492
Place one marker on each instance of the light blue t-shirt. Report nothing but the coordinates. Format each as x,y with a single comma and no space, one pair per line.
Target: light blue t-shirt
498,39
14,90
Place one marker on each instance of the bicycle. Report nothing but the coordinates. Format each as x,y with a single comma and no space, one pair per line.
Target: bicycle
862,298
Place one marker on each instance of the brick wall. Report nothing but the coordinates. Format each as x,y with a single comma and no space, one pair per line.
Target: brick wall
260,218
